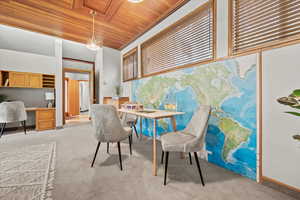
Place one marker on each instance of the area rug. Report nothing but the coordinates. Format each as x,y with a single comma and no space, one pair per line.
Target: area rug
27,173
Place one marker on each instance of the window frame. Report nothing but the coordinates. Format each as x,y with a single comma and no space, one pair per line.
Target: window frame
126,55
256,49
213,4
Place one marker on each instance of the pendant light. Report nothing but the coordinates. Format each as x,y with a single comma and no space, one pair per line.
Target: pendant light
93,43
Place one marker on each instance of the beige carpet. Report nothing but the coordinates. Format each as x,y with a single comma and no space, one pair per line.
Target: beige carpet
27,173
75,180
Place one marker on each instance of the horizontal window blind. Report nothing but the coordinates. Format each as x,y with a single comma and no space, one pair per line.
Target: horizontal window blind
186,42
261,23
130,65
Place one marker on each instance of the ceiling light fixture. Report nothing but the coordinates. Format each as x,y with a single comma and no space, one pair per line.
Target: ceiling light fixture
93,43
135,1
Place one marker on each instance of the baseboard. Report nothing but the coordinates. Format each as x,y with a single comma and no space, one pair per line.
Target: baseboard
59,127
264,178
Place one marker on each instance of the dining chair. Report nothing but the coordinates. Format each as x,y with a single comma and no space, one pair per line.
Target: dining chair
12,112
131,120
127,121
191,139
108,128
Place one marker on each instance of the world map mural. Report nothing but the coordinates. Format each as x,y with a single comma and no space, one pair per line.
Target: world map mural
230,88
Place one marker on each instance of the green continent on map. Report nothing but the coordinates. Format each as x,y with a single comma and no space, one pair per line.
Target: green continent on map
235,134
162,123
210,84
153,91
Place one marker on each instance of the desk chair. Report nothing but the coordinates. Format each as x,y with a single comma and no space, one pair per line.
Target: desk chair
12,112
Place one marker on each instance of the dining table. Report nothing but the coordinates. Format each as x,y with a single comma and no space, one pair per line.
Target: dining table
155,115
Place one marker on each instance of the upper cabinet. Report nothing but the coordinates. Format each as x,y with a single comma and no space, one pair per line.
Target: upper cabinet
17,79
35,81
25,80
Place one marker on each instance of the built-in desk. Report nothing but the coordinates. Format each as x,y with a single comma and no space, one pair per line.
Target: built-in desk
44,118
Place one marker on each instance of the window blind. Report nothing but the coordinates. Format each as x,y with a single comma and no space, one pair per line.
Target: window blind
130,65
188,41
262,23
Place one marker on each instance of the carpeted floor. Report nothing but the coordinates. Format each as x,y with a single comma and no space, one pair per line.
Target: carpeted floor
75,180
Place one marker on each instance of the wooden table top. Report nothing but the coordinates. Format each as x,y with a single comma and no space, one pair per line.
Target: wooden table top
151,113
38,108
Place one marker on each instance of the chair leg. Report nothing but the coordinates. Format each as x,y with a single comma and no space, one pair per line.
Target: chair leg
130,143
2,129
190,156
166,167
24,126
107,148
162,157
120,156
136,133
98,145
199,168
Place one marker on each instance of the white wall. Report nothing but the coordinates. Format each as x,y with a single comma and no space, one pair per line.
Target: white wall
280,153
26,62
58,82
26,41
110,74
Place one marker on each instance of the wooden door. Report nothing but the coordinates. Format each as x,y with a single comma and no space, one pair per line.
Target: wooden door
73,97
35,80
18,79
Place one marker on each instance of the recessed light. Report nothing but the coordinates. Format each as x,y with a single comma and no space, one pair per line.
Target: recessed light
135,1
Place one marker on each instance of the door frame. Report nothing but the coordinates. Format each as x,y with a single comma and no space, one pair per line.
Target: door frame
75,70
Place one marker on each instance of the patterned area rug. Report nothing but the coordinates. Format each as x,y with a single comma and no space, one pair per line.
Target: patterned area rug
27,173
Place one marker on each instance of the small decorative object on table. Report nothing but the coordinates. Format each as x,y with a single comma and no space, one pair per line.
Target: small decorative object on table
133,106
170,107
49,97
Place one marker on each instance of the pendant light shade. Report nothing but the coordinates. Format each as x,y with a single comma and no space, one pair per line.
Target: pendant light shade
93,44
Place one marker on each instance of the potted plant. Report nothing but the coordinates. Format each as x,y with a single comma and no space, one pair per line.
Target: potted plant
293,101
3,98
118,91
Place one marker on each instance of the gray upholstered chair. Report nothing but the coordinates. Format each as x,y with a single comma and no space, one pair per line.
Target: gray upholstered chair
131,120
108,128
12,112
191,139
127,121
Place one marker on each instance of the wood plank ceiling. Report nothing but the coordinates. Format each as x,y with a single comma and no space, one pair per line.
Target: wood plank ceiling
118,22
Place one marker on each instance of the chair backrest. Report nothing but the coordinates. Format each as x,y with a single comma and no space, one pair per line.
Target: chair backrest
106,123
199,122
12,112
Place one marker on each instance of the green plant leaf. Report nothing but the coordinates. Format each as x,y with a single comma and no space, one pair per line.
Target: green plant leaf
294,113
287,101
296,137
296,93
297,106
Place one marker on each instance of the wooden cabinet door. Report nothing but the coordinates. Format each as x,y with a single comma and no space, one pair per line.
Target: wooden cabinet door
73,97
45,119
34,80
17,79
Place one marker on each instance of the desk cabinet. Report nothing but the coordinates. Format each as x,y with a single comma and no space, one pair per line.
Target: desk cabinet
45,119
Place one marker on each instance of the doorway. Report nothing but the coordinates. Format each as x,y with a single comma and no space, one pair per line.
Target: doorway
78,95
